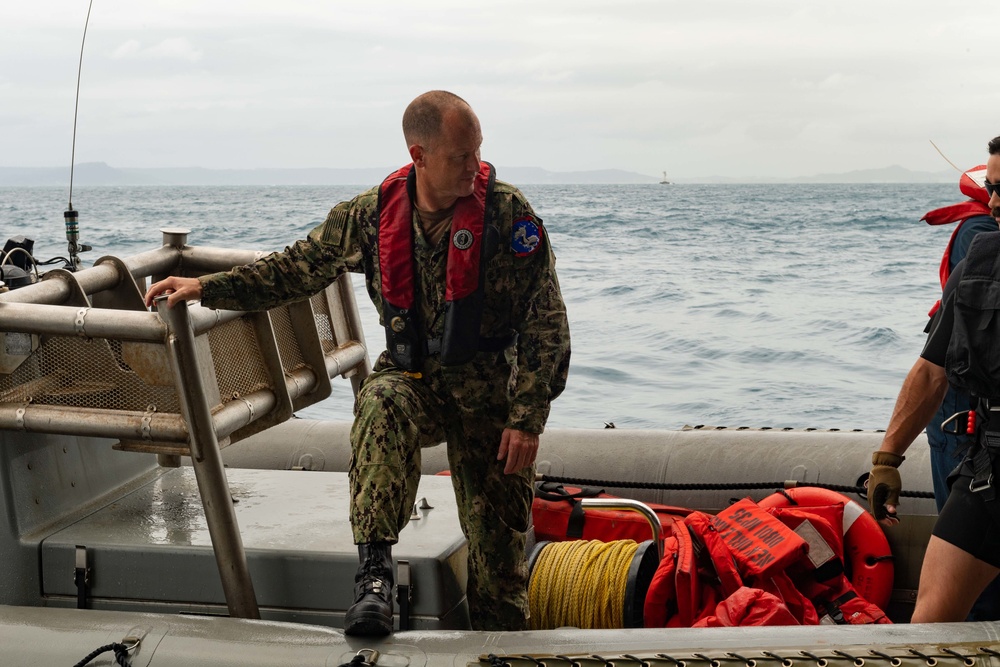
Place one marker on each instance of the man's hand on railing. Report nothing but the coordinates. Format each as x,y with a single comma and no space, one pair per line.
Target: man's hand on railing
177,289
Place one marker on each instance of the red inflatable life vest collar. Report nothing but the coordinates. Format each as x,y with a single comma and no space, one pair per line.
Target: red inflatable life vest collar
463,263
972,184
465,282
396,239
955,212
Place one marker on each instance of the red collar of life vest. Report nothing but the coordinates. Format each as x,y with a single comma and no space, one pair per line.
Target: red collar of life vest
971,183
395,238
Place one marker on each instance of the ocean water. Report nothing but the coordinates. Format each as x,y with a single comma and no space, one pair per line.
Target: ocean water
736,305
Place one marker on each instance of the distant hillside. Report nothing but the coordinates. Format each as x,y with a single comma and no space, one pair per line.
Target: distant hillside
99,173
893,174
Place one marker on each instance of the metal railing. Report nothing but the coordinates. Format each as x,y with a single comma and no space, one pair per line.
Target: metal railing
184,380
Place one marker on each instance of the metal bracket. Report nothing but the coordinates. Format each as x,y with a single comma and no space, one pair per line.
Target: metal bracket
404,593
253,413
147,419
79,324
131,643
81,577
370,656
951,426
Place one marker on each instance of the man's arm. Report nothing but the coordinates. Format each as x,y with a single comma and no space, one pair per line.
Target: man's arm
543,344
543,348
919,398
301,270
543,353
519,448
177,289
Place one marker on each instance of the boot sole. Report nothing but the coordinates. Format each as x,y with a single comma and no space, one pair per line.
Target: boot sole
368,625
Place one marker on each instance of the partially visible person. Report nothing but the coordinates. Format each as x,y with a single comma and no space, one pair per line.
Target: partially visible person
463,277
973,216
948,444
963,555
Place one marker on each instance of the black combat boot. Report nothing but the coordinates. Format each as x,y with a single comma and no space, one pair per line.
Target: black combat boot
371,613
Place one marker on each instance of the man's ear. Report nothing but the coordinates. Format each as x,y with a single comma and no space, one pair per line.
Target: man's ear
417,154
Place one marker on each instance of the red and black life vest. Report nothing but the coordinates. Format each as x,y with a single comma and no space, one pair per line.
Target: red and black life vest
971,185
472,242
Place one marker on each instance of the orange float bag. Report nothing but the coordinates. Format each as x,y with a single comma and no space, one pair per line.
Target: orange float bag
558,516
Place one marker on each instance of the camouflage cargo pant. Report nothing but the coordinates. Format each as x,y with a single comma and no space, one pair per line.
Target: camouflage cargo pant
395,416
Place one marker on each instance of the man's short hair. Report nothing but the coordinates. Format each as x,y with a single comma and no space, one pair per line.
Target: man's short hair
994,146
424,117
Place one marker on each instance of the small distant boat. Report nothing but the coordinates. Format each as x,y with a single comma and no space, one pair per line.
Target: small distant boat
664,181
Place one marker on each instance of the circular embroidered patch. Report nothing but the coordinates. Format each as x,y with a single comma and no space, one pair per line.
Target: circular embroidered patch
462,239
525,237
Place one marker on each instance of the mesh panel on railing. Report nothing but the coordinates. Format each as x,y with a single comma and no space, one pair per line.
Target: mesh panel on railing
92,373
239,368
288,345
107,374
323,325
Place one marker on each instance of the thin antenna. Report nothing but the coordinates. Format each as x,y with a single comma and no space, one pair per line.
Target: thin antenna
939,153
71,216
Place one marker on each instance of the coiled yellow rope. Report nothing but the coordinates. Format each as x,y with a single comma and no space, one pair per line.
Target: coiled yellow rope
580,584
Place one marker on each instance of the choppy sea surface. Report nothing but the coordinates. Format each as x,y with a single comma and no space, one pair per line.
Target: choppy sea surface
737,305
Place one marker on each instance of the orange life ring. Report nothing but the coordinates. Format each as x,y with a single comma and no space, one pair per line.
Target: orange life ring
866,550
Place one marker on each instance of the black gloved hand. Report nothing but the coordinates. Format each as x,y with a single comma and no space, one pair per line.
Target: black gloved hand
884,484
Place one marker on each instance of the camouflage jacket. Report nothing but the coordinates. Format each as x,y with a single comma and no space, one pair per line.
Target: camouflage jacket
522,292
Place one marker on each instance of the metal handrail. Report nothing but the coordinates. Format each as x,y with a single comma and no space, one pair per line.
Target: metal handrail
629,505
62,306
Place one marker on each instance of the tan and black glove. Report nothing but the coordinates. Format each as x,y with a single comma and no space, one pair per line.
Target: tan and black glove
884,484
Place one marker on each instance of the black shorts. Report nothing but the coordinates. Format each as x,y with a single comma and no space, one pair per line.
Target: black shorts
971,523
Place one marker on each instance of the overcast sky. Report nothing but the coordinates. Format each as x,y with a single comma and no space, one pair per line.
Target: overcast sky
692,87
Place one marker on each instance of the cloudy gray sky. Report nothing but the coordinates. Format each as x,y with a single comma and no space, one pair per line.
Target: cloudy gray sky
693,87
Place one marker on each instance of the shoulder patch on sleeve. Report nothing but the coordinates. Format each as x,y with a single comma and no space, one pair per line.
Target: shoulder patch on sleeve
525,237
333,228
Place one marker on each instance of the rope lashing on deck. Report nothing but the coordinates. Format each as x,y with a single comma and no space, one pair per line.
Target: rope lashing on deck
580,583
121,654
733,486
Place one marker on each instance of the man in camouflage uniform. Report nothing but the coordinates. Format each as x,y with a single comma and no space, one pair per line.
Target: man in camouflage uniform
489,407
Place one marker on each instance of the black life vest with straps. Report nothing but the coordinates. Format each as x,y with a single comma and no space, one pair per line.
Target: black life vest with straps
473,242
972,362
